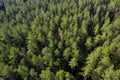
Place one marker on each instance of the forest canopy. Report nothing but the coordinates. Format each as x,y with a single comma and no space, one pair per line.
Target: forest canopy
60,39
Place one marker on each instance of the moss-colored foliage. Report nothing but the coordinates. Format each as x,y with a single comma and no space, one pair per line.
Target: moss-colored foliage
60,39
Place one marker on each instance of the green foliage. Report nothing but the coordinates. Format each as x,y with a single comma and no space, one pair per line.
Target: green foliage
63,75
23,71
60,39
46,75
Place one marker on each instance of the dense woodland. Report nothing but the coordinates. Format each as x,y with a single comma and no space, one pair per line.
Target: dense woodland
60,39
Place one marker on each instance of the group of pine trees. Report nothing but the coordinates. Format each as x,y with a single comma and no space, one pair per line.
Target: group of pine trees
60,39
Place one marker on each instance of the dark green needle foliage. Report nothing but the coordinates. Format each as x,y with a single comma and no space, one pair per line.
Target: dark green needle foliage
60,39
